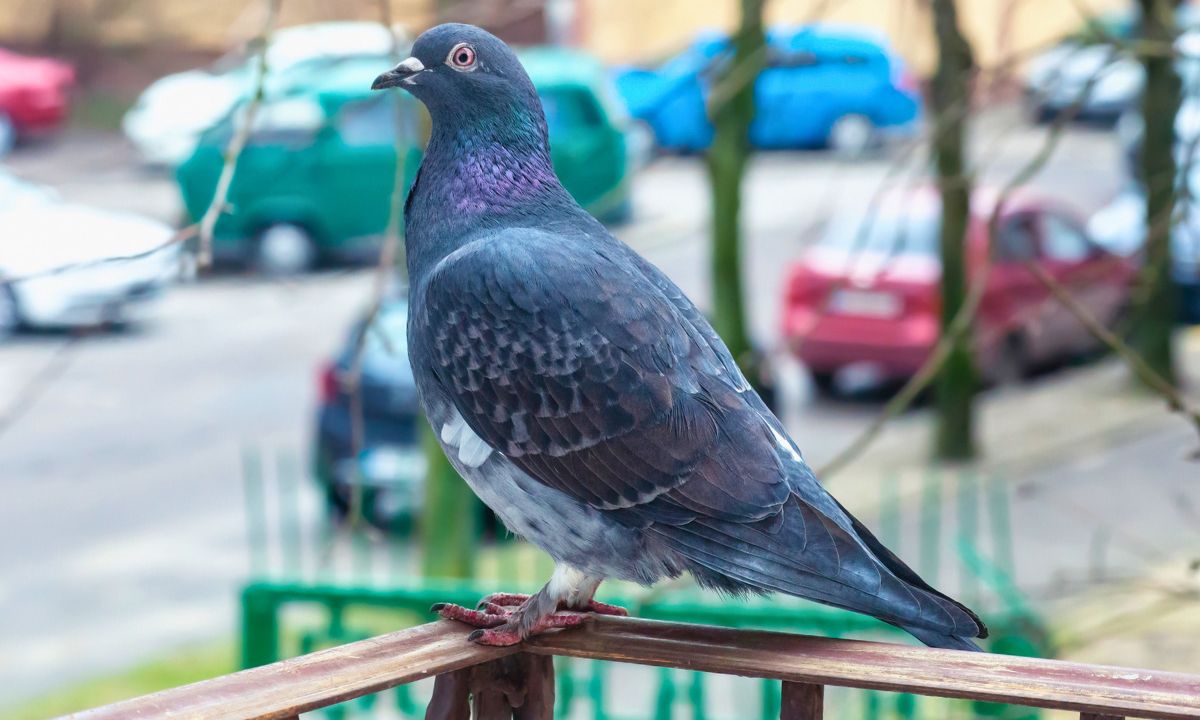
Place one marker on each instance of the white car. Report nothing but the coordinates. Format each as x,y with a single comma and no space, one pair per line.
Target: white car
1096,78
60,266
169,116
1120,227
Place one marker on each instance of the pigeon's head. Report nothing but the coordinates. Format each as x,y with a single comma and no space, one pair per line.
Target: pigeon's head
461,72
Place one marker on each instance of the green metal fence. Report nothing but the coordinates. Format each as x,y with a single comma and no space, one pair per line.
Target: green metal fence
315,585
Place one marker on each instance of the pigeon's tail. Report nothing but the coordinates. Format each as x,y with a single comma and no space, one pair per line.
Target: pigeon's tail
806,553
901,570
932,638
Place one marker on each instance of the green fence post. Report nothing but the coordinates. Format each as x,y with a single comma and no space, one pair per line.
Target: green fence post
665,702
256,516
449,525
260,627
287,475
931,527
596,683
968,531
772,699
696,696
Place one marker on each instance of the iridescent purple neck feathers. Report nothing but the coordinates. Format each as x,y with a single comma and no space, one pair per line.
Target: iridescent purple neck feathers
477,177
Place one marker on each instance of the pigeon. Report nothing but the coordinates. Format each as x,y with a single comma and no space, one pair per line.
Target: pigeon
587,401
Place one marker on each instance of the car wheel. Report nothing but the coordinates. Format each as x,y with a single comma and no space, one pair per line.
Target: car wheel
10,314
824,382
284,249
1011,365
8,134
852,136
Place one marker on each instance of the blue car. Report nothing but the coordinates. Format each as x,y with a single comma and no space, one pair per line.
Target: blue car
822,87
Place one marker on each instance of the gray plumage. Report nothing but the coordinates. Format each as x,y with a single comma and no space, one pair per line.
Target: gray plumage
585,398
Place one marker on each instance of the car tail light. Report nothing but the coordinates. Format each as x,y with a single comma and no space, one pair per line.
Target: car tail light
805,287
923,300
906,82
329,385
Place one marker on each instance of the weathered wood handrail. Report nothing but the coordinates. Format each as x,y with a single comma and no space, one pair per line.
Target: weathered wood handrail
805,664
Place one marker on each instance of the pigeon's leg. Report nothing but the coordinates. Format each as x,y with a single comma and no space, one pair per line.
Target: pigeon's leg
509,618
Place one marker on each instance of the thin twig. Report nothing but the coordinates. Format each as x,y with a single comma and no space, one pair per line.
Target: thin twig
37,386
180,236
961,322
208,222
384,273
1175,400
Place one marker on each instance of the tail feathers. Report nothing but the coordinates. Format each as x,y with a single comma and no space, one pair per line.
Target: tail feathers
932,638
901,570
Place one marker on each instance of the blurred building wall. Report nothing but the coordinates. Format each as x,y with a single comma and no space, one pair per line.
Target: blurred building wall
625,30
212,25
617,30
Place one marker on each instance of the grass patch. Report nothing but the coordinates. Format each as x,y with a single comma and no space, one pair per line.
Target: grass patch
180,668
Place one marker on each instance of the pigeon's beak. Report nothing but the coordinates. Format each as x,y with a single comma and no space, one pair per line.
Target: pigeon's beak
402,74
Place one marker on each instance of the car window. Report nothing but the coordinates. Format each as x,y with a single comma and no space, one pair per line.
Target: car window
1063,241
369,122
779,58
570,109
385,345
895,232
1017,239
293,122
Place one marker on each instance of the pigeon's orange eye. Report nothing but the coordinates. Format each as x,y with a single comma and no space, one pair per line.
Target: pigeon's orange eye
463,56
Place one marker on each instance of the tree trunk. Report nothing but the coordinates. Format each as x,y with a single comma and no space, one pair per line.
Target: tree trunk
732,109
955,385
1155,298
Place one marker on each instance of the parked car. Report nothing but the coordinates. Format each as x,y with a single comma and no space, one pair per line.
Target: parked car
1059,78
52,269
35,96
168,118
823,86
390,464
1120,226
315,181
863,301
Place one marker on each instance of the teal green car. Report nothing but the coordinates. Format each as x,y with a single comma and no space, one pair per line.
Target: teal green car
315,180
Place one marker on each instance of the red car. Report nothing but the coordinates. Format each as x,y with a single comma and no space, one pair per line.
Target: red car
34,96
864,299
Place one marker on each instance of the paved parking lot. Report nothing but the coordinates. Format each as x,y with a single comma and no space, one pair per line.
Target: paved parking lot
119,454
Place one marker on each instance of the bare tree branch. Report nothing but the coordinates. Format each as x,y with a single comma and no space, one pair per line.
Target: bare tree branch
208,222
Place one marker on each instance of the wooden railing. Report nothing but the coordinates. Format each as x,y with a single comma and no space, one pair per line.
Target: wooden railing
501,679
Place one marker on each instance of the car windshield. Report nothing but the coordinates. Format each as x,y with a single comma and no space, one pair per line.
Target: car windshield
891,231
385,347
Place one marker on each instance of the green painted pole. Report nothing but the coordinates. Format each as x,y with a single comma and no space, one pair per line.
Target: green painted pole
449,524
256,516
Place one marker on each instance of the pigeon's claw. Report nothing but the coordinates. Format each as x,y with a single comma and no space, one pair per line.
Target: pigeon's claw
511,633
505,599
508,618
489,617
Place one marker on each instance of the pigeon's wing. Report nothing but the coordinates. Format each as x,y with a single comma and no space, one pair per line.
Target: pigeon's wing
591,372
563,356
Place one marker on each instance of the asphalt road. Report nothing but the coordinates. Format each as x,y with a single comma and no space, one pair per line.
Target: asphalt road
122,520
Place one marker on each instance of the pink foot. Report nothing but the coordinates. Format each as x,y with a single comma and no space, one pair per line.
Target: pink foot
510,634
599,608
501,618
487,617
